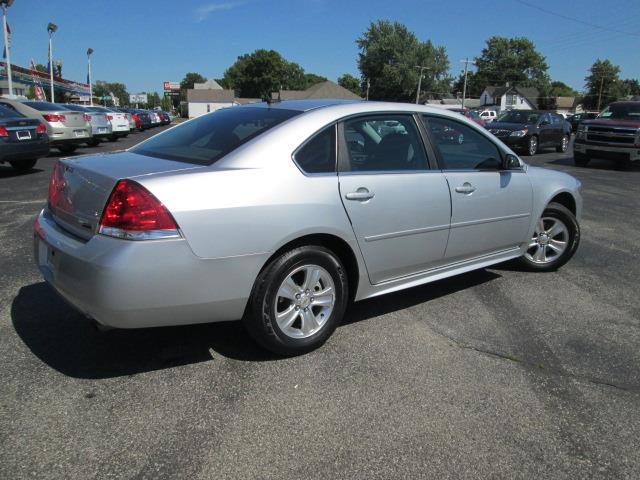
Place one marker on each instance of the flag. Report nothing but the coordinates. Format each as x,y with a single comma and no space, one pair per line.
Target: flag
37,86
4,52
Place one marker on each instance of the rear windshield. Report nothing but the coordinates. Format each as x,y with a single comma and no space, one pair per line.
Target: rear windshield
75,108
622,111
43,106
8,113
208,138
514,116
98,109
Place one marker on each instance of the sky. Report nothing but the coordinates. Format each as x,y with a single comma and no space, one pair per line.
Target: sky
142,43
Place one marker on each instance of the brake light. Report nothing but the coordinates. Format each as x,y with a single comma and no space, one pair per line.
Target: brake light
41,128
57,199
54,118
87,117
109,117
134,213
3,132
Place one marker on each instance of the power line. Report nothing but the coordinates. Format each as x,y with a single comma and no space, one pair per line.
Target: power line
576,20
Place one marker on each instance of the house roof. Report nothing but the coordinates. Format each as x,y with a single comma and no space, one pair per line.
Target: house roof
565,102
244,101
326,89
208,85
531,94
210,96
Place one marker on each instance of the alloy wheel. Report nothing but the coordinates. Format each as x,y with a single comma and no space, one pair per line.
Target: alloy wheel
549,242
305,300
533,145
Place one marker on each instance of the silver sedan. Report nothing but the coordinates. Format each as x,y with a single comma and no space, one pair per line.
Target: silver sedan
280,214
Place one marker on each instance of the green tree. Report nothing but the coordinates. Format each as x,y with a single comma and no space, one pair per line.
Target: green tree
389,54
631,86
602,84
561,89
166,104
311,79
104,89
259,74
351,83
509,60
187,83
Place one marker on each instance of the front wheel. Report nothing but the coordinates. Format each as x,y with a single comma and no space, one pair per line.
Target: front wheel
298,300
94,142
532,146
555,239
23,165
564,144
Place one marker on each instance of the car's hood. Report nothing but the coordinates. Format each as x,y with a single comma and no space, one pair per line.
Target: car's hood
612,122
507,126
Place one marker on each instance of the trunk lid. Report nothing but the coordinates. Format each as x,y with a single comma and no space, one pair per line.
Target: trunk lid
72,119
82,185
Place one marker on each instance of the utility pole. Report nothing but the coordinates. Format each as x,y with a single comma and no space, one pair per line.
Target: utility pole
422,69
600,92
466,62
51,29
89,52
5,4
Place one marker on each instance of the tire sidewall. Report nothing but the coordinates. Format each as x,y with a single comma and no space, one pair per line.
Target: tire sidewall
262,324
563,214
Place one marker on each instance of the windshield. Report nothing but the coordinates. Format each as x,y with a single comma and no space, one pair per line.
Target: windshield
622,111
515,116
210,137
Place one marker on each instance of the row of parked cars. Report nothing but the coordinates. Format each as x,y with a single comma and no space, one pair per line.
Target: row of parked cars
28,129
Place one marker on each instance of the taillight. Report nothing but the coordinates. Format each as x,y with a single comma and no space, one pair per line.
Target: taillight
109,117
56,183
87,117
134,213
54,118
41,128
3,132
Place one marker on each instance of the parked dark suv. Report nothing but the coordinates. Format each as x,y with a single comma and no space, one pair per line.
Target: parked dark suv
575,120
531,130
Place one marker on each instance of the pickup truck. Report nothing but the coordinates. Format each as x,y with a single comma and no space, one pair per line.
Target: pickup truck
613,135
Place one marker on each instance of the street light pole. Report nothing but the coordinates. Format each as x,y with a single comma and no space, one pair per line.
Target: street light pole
422,69
5,4
51,28
89,52
466,62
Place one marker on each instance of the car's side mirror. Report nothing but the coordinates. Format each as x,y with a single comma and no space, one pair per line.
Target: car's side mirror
511,162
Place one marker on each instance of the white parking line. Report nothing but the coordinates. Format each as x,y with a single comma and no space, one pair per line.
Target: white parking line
24,201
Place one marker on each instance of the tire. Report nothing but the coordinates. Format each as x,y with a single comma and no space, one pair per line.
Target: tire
67,148
275,292
561,231
580,160
24,165
562,148
113,138
532,146
94,142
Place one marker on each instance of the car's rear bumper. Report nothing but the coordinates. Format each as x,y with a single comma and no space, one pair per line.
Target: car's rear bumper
70,135
134,284
607,152
24,151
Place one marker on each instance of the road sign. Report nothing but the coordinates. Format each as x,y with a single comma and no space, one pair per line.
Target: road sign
138,98
168,86
106,98
172,94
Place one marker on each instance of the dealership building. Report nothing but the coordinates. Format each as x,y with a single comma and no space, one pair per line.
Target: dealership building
25,78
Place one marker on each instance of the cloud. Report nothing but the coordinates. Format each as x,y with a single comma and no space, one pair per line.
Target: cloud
203,12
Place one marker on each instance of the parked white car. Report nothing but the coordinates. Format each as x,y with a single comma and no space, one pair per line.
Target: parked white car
488,115
119,122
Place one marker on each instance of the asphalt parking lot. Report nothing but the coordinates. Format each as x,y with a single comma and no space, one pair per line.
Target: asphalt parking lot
494,374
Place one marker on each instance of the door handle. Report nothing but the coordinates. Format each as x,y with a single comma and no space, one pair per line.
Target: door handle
362,195
466,187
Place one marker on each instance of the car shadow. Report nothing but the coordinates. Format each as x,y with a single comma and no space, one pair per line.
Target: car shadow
9,172
69,343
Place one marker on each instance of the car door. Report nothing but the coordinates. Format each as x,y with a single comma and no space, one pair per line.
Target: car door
546,134
490,206
398,206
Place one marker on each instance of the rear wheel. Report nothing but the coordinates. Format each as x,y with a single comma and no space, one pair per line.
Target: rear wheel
298,300
532,146
555,239
113,138
564,144
67,148
23,165
94,142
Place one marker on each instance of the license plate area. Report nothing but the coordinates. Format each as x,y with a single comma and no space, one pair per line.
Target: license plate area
23,135
102,129
80,133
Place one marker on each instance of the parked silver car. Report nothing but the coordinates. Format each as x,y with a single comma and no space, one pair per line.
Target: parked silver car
280,214
66,129
100,124
119,121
